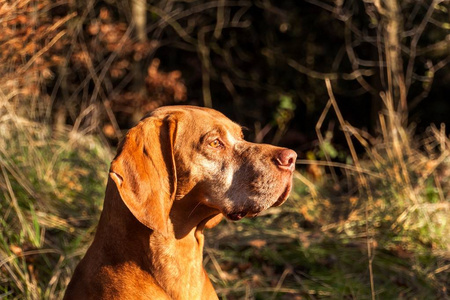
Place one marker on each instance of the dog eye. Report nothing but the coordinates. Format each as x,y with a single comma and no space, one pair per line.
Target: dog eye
216,144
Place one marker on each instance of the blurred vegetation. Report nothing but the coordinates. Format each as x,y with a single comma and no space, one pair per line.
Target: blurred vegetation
358,88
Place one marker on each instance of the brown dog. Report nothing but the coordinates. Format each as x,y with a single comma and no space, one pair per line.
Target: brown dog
178,171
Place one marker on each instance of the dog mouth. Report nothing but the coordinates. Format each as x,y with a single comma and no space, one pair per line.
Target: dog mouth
250,213
236,216
240,215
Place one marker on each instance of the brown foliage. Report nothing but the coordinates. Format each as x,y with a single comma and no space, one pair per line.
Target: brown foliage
64,62
27,32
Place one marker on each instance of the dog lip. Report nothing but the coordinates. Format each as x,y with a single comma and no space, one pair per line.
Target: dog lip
236,216
284,195
250,213
253,214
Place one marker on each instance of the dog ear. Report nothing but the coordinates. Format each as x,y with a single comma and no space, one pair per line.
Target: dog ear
144,171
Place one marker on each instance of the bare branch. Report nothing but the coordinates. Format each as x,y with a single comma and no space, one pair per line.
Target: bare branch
416,38
332,76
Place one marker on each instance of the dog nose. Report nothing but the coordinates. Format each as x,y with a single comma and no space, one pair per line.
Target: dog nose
286,159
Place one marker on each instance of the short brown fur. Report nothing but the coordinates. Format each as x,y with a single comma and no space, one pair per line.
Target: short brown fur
166,184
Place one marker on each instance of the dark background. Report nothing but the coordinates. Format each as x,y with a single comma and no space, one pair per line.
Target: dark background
242,58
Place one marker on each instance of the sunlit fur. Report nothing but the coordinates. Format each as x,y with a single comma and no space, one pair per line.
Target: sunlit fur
169,180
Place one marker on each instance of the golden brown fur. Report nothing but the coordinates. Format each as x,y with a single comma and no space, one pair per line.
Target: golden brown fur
178,171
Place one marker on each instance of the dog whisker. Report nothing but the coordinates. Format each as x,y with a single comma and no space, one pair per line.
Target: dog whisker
198,204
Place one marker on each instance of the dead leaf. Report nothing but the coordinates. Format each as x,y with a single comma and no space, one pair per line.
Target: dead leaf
257,243
16,250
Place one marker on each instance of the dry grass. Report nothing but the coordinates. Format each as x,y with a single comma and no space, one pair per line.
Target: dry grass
51,194
379,230
376,226
315,246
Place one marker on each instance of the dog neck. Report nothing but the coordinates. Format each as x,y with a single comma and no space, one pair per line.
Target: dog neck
174,259
188,214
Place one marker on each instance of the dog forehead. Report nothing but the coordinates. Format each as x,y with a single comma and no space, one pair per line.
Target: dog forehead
216,120
193,119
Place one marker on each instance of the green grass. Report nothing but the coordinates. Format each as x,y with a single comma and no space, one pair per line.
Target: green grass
315,246
51,193
281,255
386,222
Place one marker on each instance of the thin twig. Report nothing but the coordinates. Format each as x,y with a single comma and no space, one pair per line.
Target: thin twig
415,41
332,76
363,181
337,165
321,140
